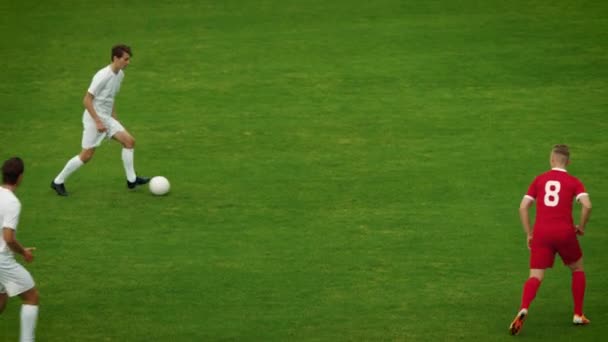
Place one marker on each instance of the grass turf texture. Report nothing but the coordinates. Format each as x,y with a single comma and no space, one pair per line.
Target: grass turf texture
340,170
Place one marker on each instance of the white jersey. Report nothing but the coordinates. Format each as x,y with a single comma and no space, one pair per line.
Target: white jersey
10,208
104,87
14,278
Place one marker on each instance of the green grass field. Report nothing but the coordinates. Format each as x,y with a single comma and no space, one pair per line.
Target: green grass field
341,170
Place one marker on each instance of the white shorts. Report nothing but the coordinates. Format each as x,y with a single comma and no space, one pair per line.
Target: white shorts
14,278
91,137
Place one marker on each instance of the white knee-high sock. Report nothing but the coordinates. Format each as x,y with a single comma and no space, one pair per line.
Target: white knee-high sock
127,161
29,316
71,166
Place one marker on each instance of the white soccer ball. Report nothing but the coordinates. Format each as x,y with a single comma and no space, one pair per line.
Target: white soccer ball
159,185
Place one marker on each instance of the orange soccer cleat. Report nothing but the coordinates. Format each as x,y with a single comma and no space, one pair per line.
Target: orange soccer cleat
518,322
580,320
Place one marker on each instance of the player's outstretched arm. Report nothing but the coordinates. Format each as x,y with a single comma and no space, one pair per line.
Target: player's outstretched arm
585,214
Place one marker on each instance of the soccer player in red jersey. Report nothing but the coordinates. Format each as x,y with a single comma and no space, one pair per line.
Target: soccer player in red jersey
554,232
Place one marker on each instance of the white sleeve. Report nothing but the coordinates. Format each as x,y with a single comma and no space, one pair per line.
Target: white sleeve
99,81
11,216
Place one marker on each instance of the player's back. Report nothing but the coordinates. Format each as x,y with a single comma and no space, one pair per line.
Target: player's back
555,191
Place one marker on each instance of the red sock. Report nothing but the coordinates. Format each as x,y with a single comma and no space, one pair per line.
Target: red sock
578,291
530,288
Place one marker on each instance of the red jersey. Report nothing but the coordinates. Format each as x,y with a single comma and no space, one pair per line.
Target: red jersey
554,192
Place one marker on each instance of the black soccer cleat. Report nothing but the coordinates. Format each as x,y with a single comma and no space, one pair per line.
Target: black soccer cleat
59,188
138,181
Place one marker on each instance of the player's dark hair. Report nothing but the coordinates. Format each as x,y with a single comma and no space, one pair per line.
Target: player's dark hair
11,170
119,50
562,150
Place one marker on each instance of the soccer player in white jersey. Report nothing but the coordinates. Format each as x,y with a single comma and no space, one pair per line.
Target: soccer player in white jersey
99,121
15,280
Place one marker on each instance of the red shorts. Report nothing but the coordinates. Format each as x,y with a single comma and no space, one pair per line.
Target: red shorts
544,247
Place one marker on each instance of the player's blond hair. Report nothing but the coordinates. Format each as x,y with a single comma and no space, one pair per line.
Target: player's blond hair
562,152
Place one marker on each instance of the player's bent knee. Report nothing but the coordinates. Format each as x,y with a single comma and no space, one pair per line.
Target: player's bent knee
577,268
537,273
86,155
127,142
130,143
30,296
